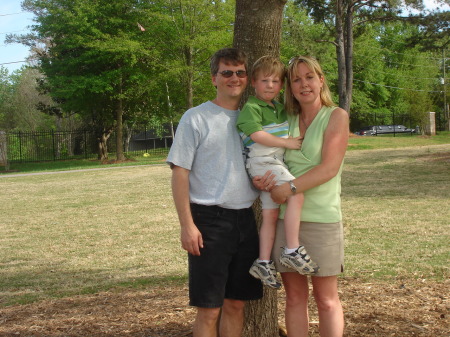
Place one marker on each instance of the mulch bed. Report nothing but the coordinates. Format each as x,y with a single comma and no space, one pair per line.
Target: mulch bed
400,308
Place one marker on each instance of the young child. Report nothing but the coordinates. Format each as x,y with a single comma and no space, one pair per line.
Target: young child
263,126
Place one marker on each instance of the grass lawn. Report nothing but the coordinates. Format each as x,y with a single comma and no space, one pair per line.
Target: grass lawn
355,143
87,231
396,212
399,141
97,253
82,164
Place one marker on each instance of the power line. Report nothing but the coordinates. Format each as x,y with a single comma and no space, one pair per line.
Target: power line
16,31
12,13
12,62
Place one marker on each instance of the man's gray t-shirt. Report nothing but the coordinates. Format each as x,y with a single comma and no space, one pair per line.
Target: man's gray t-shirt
208,144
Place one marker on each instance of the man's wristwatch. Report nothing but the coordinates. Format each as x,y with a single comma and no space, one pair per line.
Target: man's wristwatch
293,188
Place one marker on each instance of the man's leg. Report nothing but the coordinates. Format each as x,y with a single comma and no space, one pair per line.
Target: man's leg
205,324
208,273
232,318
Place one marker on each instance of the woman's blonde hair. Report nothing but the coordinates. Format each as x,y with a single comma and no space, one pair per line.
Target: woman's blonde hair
291,104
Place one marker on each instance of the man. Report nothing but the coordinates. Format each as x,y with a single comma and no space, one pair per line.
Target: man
213,196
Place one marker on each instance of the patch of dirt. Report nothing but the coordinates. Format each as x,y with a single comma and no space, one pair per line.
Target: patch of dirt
401,308
8,171
437,157
115,161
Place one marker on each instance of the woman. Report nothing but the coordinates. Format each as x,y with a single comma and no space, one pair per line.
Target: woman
317,166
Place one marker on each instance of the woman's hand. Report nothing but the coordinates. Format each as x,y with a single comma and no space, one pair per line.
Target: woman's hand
266,182
280,193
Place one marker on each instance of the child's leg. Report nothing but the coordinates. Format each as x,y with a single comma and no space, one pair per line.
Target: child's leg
295,256
267,232
263,268
292,220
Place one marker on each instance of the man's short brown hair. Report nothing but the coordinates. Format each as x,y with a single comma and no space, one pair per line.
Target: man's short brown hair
232,56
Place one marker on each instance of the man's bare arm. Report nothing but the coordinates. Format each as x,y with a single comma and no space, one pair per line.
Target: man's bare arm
191,238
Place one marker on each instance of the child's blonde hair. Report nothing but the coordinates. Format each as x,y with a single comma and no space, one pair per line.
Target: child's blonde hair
268,65
291,104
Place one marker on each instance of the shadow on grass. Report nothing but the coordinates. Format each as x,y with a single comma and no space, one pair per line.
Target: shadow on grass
36,290
409,173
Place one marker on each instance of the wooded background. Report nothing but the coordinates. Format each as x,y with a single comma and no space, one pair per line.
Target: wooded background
103,64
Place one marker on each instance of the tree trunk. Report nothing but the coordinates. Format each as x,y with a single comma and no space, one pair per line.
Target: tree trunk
189,78
128,133
257,32
103,147
169,108
344,52
119,131
103,135
349,56
261,317
340,54
119,126
3,150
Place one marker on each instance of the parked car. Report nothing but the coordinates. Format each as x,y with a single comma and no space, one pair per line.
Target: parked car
403,129
382,129
366,131
374,130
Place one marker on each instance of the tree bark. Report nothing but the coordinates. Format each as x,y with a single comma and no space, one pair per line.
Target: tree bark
103,147
3,150
103,134
257,32
344,51
119,125
189,77
261,317
340,53
349,55
119,131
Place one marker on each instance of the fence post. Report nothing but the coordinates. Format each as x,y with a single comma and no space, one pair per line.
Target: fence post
20,146
430,128
53,145
85,145
145,140
393,121
4,150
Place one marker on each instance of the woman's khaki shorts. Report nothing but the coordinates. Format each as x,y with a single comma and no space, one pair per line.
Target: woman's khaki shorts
324,242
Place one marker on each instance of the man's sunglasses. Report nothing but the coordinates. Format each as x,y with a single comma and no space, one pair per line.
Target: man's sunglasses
229,73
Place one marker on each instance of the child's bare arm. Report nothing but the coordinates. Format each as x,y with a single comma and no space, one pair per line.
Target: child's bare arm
265,138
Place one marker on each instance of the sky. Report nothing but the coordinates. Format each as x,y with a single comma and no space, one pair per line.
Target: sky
14,20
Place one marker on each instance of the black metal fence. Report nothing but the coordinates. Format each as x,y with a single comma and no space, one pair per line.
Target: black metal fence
81,144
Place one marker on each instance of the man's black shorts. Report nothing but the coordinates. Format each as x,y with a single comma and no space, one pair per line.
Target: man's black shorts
231,244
